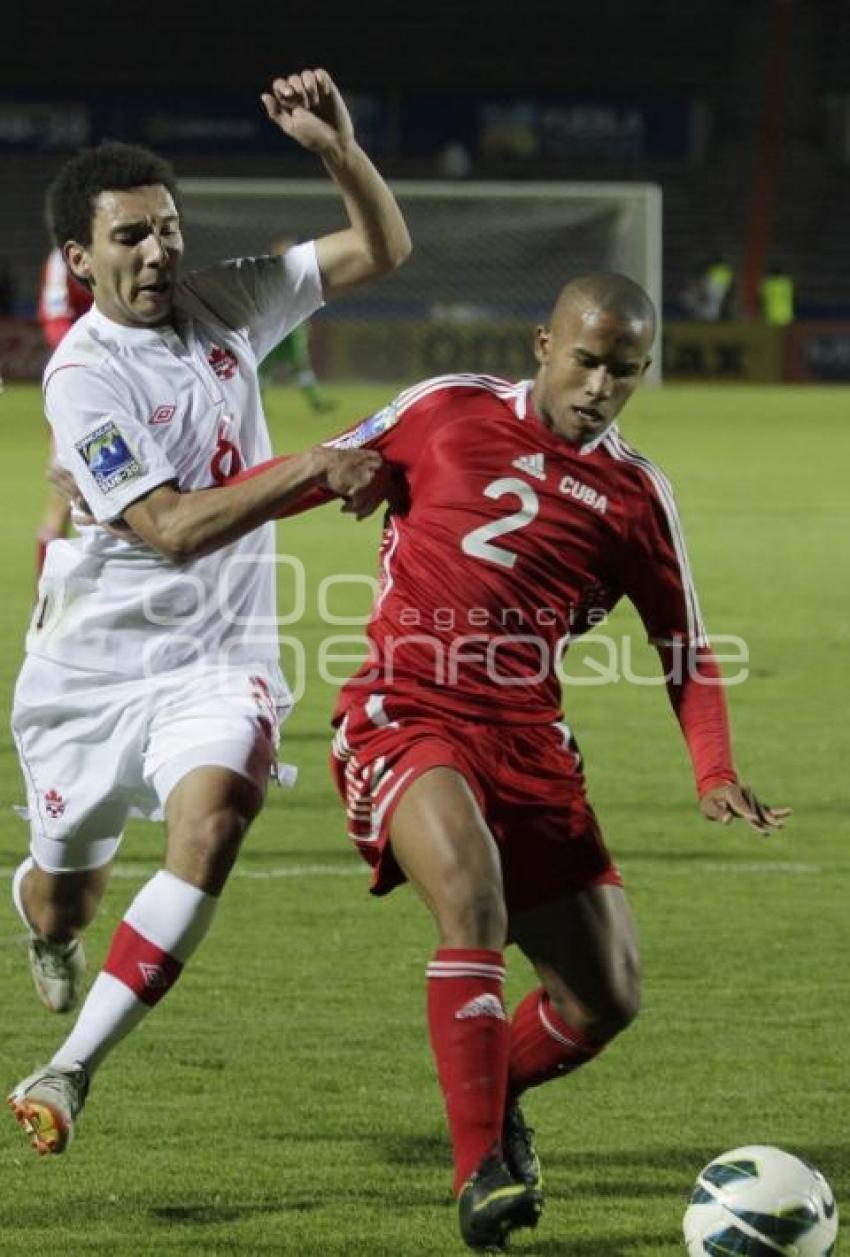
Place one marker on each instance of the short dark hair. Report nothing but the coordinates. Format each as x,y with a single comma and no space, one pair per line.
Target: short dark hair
110,167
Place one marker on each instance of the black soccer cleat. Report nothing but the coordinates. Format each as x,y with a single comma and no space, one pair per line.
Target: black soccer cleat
520,1153
492,1204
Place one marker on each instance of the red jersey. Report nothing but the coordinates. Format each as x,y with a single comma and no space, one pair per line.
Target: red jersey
511,544
502,544
505,544
61,299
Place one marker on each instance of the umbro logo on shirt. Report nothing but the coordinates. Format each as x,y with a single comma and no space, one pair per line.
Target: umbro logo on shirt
531,463
162,414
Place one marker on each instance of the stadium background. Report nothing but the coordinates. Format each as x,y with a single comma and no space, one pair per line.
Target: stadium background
282,1100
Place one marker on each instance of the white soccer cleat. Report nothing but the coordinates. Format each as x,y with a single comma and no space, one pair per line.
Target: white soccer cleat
46,1105
58,971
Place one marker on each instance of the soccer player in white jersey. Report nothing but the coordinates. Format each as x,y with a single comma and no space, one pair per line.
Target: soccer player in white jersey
151,679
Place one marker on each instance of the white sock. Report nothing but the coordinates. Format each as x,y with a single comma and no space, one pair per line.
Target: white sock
161,929
20,873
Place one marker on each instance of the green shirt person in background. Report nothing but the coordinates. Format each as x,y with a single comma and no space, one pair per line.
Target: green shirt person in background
291,358
776,297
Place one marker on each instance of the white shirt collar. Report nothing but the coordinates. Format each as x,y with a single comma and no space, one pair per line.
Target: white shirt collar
129,335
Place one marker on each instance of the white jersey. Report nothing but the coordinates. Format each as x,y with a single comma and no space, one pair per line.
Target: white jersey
133,408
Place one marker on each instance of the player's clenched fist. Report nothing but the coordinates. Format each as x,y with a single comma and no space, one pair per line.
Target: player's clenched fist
349,474
309,108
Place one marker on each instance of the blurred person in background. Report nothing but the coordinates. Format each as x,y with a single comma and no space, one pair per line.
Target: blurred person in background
709,295
61,301
776,296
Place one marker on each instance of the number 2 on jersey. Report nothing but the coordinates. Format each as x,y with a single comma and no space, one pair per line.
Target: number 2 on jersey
479,543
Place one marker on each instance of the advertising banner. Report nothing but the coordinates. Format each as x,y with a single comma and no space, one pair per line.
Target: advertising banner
722,351
818,353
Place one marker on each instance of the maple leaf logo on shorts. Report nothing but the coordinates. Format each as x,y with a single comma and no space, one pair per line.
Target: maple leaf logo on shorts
54,804
223,361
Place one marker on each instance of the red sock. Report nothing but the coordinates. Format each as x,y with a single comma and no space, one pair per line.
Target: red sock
470,1039
146,969
542,1045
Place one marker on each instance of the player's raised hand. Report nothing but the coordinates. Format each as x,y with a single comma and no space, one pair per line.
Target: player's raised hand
726,802
309,108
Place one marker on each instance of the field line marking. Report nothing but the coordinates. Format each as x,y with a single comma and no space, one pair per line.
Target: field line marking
129,869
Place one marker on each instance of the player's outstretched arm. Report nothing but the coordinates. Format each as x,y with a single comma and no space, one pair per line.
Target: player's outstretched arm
183,526
725,802
309,109
696,695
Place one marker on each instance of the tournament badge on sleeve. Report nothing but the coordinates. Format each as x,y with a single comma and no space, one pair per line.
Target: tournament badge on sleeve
370,428
108,457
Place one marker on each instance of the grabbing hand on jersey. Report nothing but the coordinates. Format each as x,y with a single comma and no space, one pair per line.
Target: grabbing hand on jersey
725,802
357,477
309,108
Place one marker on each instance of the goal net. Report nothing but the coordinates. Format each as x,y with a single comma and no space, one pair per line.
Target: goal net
488,260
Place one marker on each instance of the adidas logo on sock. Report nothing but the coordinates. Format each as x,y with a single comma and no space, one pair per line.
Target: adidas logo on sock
488,1005
533,464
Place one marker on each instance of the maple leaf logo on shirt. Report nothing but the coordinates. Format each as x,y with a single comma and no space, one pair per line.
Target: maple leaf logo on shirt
223,362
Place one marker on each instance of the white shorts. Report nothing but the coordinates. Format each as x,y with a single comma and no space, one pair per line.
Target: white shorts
93,747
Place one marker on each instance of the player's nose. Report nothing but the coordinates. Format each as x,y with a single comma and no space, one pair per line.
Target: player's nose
154,250
599,383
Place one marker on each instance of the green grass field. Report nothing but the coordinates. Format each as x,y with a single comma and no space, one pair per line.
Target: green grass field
282,1100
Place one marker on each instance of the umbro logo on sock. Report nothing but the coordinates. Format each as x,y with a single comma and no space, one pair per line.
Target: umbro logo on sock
533,464
153,975
482,1006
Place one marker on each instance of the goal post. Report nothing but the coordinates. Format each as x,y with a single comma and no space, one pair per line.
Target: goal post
488,261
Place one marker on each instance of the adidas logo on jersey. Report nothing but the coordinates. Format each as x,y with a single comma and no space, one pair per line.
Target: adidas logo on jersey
531,463
488,1005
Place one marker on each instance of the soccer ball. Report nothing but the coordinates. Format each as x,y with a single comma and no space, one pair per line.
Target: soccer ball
761,1201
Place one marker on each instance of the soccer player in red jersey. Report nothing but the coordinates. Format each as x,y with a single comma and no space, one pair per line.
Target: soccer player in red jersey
61,301
519,517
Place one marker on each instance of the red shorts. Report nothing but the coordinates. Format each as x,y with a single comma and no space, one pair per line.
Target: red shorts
526,779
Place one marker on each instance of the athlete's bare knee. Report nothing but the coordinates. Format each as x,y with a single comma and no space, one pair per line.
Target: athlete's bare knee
203,850
611,1012
472,914
59,906
618,1011
599,1014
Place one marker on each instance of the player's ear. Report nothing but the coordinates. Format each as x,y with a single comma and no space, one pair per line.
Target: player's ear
647,363
542,341
78,261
